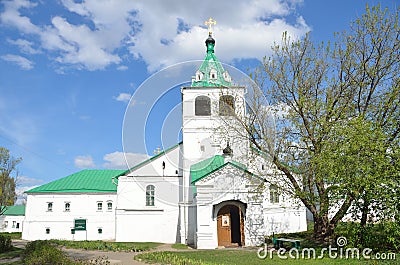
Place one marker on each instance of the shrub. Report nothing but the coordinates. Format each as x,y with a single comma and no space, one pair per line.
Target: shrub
43,252
5,243
381,236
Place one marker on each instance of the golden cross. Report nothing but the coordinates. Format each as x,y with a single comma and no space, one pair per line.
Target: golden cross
210,22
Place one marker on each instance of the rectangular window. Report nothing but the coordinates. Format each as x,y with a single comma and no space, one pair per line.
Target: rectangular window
5,224
150,191
13,225
49,206
67,207
47,230
99,206
273,194
100,230
109,206
17,225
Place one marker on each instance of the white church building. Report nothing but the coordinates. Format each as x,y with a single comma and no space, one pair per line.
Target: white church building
201,192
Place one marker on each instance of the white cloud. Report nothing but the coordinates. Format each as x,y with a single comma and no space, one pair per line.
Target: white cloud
12,16
160,33
24,45
23,181
122,68
21,196
18,60
120,160
124,97
84,161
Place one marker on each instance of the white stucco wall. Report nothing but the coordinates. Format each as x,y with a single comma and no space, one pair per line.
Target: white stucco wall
136,222
204,137
11,223
232,186
60,222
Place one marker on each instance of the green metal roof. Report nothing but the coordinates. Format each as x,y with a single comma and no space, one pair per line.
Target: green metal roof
14,210
210,165
82,181
211,62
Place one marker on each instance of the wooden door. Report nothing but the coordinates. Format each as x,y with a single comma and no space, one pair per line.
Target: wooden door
224,226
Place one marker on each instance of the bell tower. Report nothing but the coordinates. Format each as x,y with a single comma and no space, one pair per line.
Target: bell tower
211,101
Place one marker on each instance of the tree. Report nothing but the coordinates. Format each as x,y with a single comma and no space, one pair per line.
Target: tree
7,180
337,142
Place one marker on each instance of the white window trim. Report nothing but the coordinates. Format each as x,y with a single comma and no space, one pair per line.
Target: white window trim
97,205
108,209
50,209
65,206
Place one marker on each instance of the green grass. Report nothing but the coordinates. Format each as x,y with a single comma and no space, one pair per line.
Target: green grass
13,253
107,246
15,235
231,257
179,246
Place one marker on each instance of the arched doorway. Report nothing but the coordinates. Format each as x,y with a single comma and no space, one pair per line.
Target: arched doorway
230,226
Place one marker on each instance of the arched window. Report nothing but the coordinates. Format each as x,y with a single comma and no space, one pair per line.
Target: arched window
150,189
213,74
199,76
202,106
226,106
67,207
273,194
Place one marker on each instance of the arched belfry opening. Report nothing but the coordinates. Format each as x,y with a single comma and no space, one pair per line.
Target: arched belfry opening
202,106
226,105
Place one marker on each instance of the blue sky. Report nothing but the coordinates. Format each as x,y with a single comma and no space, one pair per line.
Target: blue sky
68,68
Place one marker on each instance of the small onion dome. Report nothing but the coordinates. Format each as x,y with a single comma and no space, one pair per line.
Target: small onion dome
210,39
227,150
210,43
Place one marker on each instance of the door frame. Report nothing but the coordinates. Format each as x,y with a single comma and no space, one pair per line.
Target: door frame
242,216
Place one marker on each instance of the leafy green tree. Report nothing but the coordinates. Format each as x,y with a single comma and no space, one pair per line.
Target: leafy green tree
337,132
7,179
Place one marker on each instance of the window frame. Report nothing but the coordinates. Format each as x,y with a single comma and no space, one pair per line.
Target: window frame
99,206
108,205
50,206
67,209
274,194
150,195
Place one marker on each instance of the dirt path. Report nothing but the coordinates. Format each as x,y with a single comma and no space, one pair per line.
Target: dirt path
125,258
120,258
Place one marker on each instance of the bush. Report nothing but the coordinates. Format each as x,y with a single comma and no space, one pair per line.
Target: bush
5,243
383,236
43,252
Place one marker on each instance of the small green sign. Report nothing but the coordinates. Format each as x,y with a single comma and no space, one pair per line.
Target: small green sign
80,224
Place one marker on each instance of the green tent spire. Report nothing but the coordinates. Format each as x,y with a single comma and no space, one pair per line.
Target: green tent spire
211,73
